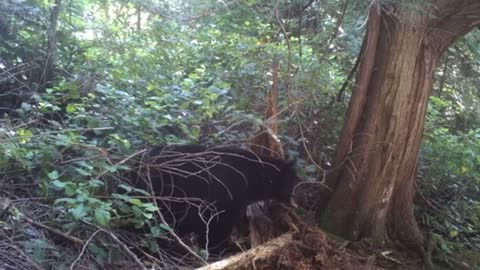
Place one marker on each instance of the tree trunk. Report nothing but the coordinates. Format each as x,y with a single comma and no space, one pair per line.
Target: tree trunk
377,154
48,72
139,19
266,142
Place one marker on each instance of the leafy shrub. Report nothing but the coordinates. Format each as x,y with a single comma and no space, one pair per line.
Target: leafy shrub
449,180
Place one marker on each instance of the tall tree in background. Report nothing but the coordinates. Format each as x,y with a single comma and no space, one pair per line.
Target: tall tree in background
48,72
376,158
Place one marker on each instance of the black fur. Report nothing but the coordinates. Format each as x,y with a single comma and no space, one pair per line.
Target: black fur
213,186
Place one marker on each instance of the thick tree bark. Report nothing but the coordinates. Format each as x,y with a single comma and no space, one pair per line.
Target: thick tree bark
377,153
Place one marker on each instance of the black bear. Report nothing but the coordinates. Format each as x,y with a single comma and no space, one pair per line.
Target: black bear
206,190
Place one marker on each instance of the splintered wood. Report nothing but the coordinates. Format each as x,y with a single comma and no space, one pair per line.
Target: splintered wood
309,249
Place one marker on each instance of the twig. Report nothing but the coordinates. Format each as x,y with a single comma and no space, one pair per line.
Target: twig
350,75
121,162
55,231
131,156
339,23
172,233
83,249
122,245
207,224
433,206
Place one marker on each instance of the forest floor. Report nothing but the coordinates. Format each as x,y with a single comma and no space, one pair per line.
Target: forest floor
32,237
313,249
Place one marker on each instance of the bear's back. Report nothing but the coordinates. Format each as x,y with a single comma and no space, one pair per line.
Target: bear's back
196,185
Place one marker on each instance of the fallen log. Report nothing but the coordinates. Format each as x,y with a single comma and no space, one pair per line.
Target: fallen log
309,249
255,258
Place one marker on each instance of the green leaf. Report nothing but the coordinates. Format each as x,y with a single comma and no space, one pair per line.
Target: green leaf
165,227
82,197
83,172
125,187
148,215
150,207
38,249
53,175
156,231
101,254
85,165
110,168
25,134
194,76
102,216
136,202
70,189
453,233
95,183
138,224
121,197
59,184
71,108
137,211
79,212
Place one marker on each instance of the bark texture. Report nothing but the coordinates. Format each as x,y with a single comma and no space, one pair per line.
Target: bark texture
266,141
377,154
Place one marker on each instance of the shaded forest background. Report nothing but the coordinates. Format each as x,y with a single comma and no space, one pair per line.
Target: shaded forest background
85,84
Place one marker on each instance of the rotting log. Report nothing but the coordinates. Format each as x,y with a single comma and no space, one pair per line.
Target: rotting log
260,257
307,249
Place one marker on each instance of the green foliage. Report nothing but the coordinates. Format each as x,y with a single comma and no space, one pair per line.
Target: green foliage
126,89
450,180
198,71
120,85
450,157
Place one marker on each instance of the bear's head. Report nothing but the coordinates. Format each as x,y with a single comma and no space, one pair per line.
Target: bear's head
286,182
